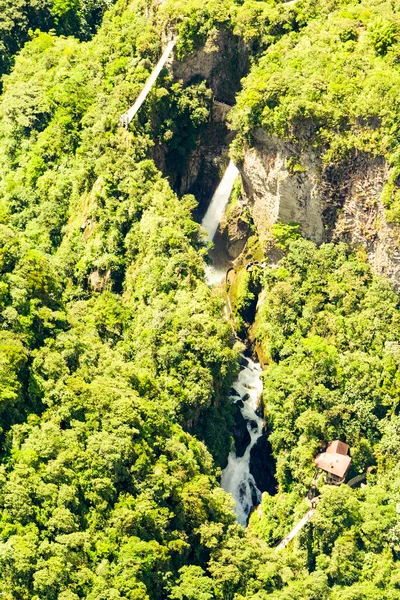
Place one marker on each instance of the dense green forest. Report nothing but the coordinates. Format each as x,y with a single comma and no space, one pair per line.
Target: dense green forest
335,81
115,358
20,18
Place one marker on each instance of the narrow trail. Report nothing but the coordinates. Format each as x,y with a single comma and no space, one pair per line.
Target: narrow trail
127,117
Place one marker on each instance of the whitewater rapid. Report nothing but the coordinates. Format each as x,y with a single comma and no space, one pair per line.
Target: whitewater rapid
236,477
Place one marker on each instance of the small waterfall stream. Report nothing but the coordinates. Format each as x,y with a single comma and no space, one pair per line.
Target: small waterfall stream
216,272
236,477
218,203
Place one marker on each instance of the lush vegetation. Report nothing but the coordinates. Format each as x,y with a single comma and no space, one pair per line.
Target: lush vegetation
19,18
328,330
115,361
112,344
332,84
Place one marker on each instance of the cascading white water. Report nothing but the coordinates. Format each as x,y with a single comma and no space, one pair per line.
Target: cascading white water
212,218
236,477
219,201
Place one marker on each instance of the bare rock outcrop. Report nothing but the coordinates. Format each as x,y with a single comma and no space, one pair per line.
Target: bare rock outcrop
235,230
222,61
277,194
289,183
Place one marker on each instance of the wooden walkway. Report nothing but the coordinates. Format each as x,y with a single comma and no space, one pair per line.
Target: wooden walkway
127,117
296,529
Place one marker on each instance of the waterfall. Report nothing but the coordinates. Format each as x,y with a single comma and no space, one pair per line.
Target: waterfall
216,272
219,201
236,477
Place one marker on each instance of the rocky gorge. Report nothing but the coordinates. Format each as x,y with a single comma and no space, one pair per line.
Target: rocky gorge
281,180
288,182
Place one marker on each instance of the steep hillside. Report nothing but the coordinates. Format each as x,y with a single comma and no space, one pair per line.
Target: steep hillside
116,357
318,123
19,18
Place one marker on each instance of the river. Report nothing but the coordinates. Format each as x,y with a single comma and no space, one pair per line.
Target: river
236,477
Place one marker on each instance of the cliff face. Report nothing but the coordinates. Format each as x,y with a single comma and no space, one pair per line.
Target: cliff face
274,194
221,62
288,183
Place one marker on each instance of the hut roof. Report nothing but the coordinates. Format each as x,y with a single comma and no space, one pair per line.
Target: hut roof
337,447
337,464
334,460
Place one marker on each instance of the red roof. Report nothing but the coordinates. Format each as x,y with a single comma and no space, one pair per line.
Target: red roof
337,447
335,459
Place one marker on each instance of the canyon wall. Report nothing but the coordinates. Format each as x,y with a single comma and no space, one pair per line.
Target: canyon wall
221,62
288,182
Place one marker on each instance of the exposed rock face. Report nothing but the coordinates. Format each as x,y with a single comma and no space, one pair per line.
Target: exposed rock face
240,432
207,162
359,218
288,183
222,61
100,280
235,231
276,195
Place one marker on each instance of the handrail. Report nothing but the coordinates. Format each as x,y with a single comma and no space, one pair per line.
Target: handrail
357,479
296,529
127,117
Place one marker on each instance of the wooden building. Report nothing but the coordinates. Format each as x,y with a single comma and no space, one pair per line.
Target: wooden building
334,461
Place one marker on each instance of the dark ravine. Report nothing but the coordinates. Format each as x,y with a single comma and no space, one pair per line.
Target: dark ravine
246,475
262,463
251,468
222,63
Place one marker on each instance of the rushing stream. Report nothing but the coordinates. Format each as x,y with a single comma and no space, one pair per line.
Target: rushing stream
236,477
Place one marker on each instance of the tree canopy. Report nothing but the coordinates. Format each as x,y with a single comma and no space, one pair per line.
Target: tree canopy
115,359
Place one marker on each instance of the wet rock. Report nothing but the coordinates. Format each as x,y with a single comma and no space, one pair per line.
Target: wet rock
234,393
263,466
240,432
254,496
235,229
